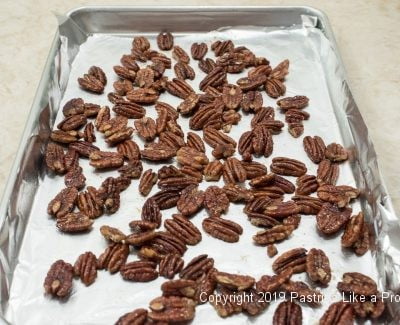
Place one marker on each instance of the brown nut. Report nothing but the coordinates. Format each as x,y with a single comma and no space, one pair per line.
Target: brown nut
340,195
222,229
275,234
215,201
136,317
179,288
288,312
183,229
357,283
330,219
288,167
147,181
327,172
234,281
294,259
336,153
86,268
197,267
74,222
314,148
113,257
317,266
198,50
165,41
190,201
139,271
338,313
170,265
58,281
63,203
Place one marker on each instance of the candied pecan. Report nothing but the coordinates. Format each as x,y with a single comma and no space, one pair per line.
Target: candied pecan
214,137
207,115
179,288
372,308
75,178
140,237
190,201
361,246
88,133
103,159
157,152
71,159
180,55
296,102
102,117
233,171
63,203
139,271
191,157
141,43
125,73
72,122
245,145
55,158
301,291
138,55
109,194
142,226
263,180
215,201
205,286
164,60
214,78
308,204
89,204
194,141
197,267
132,170
336,153
288,312
221,47
288,166
136,317
274,87
144,79
207,65
172,309
330,219
179,88
252,101
234,281
296,116
112,234
165,41
170,265
282,209
262,142
284,184
357,283
327,172
306,185
271,250
172,140
129,149
176,182
167,199
198,50
256,304
317,266
228,305
295,129
261,220
113,257
58,281
314,148
64,136
232,62
236,193
143,96
147,182
151,212
121,87
222,229
229,118
183,229
192,173
338,313
294,258
86,268
129,110
353,230
254,169
340,195
94,81
83,148
74,222
129,61
272,192
213,171
275,234
189,104
264,115
273,283
73,106
166,243
281,70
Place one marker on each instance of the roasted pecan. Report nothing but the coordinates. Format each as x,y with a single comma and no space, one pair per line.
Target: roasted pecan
176,182
183,229
157,152
263,69
83,148
207,115
301,291
330,219
103,159
147,181
317,266
102,117
207,65
294,259
129,110
293,220
281,70
74,222
252,101
340,195
372,308
229,303
197,267
73,106
296,102
234,281
89,203
272,192
138,55
113,257
139,271
262,142
353,230
146,96
233,171
75,178
263,115
131,170
179,88
338,313
125,73
273,283
141,43
180,55
282,209
190,201
191,157
189,104
192,173
221,47
165,41
121,87
275,234
255,305
194,141
136,317
248,84
72,122
63,203
288,312
129,149
213,171
260,219
308,204
71,158
179,288
170,265
215,78
236,193
215,201
112,234
172,309
361,246
109,194
86,268
141,236
55,158
129,61
328,172
357,283
64,136
296,116
144,79
94,81
288,166
271,250
151,212
198,50
296,129
314,148
205,286
166,243
167,199
214,137
229,118
306,184
274,87
58,281
164,60
223,229
88,133
336,153
254,169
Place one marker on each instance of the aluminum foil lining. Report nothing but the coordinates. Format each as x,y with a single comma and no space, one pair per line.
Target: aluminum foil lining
315,71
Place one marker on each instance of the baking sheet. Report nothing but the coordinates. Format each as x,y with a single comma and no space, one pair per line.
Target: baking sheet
311,55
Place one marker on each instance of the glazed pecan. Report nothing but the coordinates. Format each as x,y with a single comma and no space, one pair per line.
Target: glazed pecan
207,65
221,47
157,152
296,129
281,70
86,268
73,106
314,148
272,192
83,148
223,229
336,153
115,136
144,79
330,219
254,169
161,58
262,142
340,195
179,288
179,88
372,308
273,283
88,133
236,193
58,281
215,78
166,243
190,201
274,234
129,61
180,55
294,259
55,158
234,281
63,203
232,96
74,222
172,140
146,96
151,212
103,159
317,266
141,43
353,230
89,203
198,50
191,172
183,229
288,167
109,193
288,312
205,286
132,170
228,305
338,313
357,283
147,181
102,117
172,309
213,171
136,317
167,199
271,250
308,204
263,115
229,118
112,234
251,84
194,141
139,271
125,73
113,257
188,156
141,236
75,178
274,87
263,69
256,305
206,116
71,159
233,171
197,267
64,136
296,102
306,184
281,210
129,110
170,265
72,122
215,201
165,41
214,137
328,172
361,246
252,101
94,81
189,105
301,291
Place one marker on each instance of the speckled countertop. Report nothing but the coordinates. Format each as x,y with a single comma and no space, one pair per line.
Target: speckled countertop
367,32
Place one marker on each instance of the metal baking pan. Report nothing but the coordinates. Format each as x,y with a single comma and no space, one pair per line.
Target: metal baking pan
22,199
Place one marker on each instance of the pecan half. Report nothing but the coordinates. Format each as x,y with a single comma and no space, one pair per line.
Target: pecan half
103,159
89,203
223,229
132,170
112,234
221,47
54,158
188,156
295,102
213,171
215,201
180,55
86,268
75,178
113,257
232,96
151,212
338,313
179,288
167,198
361,246
129,110
145,96
170,265
254,169
281,210
73,106
157,152
308,204
263,115
214,137
294,259
262,142
317,266
102,117
206,116
234,281
63,203
136,317
197,267
172,309
94,81
179,88
274,87
72,122
236,193
198,50
165,41
144,79
207,65
340,195
233,171
252,101
256,305
306,185
214,78
183,229
194,141
166,243
125,73
336,153
83,148
190,201
58,281
109,193
357,283
327,172
275,234
330,219
288,167
139,271
147,181
288,312
64,136
74,222
314,148
273,283
88,133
